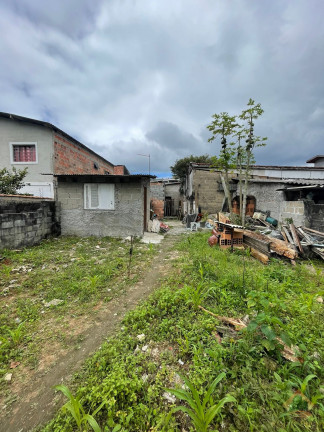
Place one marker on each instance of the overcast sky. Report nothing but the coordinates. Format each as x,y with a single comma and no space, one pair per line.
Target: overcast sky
144,76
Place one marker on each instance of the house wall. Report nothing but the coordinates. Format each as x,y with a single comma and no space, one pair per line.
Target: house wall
292,173
126,219
206,190
294,210
70,158
25,221
17,131
157,198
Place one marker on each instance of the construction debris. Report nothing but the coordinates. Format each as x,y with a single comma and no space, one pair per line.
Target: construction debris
264,241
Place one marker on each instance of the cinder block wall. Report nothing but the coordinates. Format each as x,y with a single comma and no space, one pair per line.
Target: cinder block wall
126,219
293,210
26,221
207,193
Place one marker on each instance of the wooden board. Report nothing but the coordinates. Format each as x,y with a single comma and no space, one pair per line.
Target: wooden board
260,256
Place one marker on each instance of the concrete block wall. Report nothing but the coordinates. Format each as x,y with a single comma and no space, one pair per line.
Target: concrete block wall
126,219
26,221
70,158
206,190
294,210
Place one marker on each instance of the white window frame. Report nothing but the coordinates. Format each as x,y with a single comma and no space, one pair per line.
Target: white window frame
11,147
103,189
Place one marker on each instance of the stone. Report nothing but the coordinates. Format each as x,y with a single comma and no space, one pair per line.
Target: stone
141,337
145,348
8,377
54,302
169,397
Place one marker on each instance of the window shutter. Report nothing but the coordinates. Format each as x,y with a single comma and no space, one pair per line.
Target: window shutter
94,196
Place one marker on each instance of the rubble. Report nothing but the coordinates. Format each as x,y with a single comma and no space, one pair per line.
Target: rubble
287,241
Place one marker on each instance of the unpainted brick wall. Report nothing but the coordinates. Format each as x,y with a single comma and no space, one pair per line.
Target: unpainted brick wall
70,158
26,221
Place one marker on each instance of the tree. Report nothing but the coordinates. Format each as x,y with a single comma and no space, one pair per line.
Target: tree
225,126
180,167
249,115
11,182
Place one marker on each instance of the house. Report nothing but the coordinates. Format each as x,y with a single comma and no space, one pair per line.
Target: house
46,151
103,205
286,192
166,197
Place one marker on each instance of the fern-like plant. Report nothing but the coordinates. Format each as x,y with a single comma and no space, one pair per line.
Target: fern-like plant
202,412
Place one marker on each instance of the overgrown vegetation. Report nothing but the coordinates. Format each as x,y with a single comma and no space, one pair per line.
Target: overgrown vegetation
46,290
168,342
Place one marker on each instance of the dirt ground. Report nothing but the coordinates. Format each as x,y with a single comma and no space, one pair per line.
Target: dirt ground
36,402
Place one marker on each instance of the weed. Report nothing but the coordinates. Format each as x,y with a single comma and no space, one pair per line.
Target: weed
75,408
202,412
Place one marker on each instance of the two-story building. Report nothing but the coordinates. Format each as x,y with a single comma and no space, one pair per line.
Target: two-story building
46,151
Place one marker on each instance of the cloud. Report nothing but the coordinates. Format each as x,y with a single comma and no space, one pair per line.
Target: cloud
128,77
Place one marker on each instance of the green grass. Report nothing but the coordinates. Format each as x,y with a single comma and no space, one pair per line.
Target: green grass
80,273
127,378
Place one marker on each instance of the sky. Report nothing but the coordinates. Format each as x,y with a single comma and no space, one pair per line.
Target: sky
144,77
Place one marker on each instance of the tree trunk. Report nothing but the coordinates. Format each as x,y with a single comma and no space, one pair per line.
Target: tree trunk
240,188
246,186
225,183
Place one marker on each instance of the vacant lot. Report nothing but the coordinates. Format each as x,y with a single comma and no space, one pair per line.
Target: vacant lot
51,294
264,343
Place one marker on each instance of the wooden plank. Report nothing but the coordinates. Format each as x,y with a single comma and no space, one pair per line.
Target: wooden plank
313,231
307,237
284,236
295,236
260,256
278,246
260,245
288,235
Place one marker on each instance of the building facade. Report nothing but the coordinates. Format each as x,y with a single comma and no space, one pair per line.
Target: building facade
45,151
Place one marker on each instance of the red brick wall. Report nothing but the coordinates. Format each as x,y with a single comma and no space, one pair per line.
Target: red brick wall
69,158
158,207
119,170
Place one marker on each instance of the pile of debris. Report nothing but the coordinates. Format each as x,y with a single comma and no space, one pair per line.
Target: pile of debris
157,226
265,241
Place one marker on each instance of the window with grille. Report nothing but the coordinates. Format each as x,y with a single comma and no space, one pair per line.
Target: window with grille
23,153
99,196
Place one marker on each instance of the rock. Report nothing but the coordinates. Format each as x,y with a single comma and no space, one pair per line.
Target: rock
5,290
145,348
17,320
320,299
169,397
8,377
145,378
180,362
141,337
54,302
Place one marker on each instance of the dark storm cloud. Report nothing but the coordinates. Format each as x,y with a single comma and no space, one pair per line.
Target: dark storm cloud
169,135
128,77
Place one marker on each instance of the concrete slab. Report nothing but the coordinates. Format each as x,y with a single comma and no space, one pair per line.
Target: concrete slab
154,238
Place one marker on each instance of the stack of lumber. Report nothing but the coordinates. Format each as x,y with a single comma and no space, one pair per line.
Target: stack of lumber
263,246
313,239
